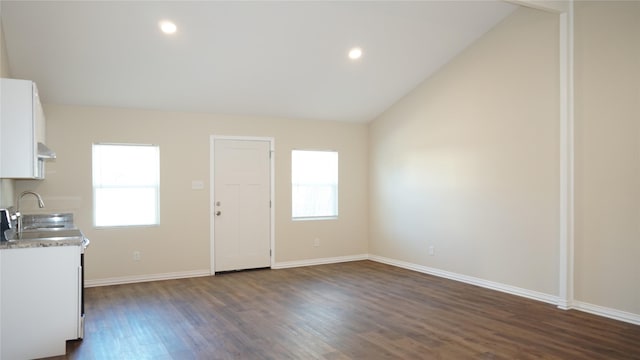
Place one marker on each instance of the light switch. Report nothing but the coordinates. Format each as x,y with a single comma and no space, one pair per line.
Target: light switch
197,185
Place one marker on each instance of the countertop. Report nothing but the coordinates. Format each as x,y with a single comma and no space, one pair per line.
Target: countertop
35,239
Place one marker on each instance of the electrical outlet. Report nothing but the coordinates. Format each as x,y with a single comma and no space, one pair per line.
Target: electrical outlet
136,256
316,242
432,250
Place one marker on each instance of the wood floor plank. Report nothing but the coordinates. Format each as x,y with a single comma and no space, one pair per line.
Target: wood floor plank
357,310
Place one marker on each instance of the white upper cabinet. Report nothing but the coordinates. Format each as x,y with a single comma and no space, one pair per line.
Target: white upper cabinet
22,131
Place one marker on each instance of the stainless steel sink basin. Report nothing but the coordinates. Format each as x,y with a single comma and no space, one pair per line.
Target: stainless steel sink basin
48,227
47,222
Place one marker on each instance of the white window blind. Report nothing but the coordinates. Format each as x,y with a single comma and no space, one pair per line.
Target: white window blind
314,180
126,185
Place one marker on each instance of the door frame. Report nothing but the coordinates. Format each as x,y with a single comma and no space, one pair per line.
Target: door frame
212,140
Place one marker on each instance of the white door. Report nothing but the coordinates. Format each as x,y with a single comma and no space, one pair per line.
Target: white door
241,204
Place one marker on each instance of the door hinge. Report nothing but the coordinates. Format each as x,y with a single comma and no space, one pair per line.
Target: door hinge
270,252
269,204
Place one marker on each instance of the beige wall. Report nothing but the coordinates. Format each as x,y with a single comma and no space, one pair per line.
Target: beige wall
6,185
607,112
468,161
181,242
4,60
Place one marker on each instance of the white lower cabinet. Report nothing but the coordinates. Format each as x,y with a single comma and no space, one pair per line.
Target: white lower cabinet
39,301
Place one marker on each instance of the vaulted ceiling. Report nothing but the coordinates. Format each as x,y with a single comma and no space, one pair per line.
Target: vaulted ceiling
276,59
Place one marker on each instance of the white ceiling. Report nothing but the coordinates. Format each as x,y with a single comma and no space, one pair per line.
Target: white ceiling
277,59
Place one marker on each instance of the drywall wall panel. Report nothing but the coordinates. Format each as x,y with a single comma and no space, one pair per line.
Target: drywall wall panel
6,185
181,243
607,118
467,164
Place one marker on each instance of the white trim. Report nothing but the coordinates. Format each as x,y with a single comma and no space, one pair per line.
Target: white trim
513,290
144,278
566,243
272,158
566,240
607,312
212,207
272,233
320,261
314,218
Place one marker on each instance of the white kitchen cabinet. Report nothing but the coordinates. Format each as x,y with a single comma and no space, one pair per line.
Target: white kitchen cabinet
22,127
39,300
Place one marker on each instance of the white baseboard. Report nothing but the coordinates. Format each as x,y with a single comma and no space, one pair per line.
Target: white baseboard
547,298
551,299
564,304
607,312
321,261
196,273
144,278
514,290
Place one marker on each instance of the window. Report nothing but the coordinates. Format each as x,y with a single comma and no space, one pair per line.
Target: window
314,180
126,185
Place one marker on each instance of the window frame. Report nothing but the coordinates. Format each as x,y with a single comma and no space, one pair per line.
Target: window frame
336,190
155,187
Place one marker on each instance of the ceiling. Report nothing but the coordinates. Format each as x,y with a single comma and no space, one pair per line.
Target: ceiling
266,58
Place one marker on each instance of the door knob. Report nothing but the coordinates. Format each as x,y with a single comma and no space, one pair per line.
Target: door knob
218,213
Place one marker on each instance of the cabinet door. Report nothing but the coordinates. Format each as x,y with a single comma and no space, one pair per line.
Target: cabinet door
39,300
38,115
18,147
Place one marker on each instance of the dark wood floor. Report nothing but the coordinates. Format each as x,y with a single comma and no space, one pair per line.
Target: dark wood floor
358,310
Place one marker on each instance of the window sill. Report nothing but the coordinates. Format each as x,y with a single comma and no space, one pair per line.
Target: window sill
115,227
314,218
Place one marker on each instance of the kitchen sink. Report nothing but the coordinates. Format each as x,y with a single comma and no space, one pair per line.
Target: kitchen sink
49,222
44,230
46,227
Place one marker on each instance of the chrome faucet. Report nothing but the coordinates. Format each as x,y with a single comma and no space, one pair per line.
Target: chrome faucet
18,215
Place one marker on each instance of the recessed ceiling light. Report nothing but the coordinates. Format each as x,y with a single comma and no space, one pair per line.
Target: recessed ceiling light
168,27
355,53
